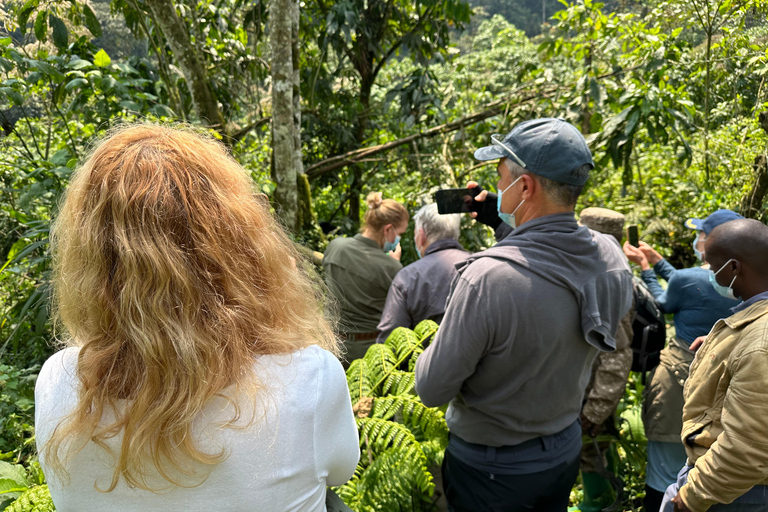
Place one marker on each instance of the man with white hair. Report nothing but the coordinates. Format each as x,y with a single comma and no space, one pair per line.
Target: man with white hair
420,290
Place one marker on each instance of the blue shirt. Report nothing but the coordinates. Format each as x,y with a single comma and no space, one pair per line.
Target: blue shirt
690,297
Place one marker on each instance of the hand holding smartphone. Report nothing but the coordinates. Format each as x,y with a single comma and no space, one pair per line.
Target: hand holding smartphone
633,237
456,200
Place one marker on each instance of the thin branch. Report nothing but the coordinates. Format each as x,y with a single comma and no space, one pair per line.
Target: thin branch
69,133
31,132
238,136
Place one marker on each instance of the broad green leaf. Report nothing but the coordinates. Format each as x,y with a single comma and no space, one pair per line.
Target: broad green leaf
78,63
47,69
101,59
14,96
60,32
77,82
91,22
13,472
25,13
41,26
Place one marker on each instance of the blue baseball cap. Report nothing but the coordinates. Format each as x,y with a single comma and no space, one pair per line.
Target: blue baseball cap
548,147
711,222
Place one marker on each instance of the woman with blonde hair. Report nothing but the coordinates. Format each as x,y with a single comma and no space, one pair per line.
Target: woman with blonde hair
199,371
359,270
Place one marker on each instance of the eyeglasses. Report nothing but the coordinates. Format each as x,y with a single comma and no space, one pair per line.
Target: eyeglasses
496,140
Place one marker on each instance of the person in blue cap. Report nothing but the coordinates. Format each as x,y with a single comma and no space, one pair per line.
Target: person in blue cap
696,307
523,324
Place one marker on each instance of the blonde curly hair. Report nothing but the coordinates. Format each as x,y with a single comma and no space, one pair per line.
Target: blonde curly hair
171,277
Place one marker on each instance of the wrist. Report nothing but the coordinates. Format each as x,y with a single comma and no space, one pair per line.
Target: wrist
644,265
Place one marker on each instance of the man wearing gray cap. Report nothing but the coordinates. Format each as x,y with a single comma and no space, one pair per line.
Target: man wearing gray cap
523,324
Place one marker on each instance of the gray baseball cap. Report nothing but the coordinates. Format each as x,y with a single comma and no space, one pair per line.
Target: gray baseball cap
548,147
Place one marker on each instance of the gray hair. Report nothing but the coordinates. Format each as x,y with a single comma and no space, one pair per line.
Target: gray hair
561,194
437,226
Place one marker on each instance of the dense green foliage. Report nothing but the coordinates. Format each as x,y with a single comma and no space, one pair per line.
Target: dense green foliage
400,438
670,102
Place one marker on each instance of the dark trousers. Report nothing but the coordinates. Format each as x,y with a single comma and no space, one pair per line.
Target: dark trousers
652,500
471,490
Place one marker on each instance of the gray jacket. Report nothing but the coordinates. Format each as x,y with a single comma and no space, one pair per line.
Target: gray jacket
420,290
524,322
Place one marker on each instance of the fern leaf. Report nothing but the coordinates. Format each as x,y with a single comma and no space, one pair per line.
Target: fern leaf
399,383
379,360
429,421
395,481
358,380
425,330
402,341
36,499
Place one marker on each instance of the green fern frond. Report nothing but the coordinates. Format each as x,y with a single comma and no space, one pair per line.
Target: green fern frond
430,421
399,383
402,341
425,330
358,380
395,482
380,361
434,451
36,499
380,435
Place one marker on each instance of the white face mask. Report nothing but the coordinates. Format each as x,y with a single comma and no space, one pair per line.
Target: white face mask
696,251
508,218
725,291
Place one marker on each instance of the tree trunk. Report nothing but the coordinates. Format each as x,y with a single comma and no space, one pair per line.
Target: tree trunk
706,104
190,63
305,220
356,189
283,142
752,201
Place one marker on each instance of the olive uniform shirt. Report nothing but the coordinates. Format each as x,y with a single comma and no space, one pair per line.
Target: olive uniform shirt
358,274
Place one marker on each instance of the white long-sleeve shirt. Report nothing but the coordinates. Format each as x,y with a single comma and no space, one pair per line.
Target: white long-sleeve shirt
304,438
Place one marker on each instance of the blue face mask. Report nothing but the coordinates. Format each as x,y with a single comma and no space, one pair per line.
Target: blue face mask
418,252
725,291
696,251
391,246
508,218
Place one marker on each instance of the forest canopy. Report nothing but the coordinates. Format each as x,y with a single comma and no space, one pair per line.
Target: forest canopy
323,102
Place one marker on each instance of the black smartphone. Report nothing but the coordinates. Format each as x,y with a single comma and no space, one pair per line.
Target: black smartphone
455,200
632,236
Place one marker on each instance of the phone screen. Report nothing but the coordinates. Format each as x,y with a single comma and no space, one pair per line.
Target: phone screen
455,200
633,236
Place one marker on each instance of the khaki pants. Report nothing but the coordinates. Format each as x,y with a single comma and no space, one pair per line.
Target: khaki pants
663,396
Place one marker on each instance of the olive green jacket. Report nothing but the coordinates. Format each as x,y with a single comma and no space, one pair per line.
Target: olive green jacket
663,395
726,411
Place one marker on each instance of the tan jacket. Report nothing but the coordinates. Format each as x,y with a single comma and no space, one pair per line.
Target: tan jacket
726,409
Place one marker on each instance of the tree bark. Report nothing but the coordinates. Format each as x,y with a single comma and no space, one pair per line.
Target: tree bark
190,63
752,201
283,142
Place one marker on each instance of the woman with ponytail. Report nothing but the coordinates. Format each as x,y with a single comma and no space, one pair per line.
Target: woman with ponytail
199,372
359,270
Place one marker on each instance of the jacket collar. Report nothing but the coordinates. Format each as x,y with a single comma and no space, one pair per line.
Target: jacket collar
367,241
748,315
442,244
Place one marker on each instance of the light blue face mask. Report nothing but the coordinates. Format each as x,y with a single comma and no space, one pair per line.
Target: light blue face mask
508,218
391,246
696,251
725,291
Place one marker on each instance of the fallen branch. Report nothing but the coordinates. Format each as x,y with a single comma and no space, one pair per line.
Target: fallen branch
492,109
